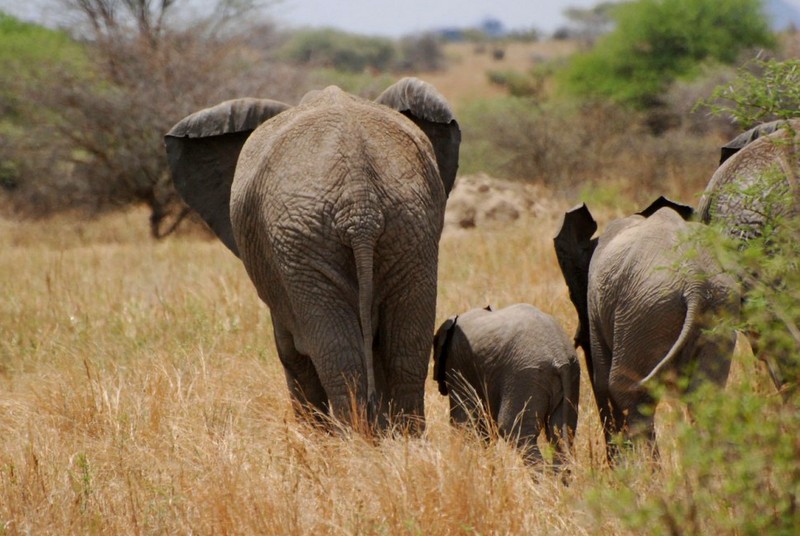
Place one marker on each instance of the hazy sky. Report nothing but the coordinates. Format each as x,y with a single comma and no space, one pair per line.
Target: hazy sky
400,17
373,17
377,17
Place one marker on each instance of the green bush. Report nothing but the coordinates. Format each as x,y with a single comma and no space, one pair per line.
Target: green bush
767,263
339,50
366,85
28,50
736,470
518,84
762,91
567,145
658,41
29,53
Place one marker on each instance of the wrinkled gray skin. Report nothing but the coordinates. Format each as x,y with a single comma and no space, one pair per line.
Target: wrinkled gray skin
735,195
756,168
515,365
646,298
335,207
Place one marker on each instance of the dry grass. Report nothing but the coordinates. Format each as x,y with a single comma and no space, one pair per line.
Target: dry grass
465,78
140,393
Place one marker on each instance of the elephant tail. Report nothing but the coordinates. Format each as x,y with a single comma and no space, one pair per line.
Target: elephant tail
689,324
364,253
570,385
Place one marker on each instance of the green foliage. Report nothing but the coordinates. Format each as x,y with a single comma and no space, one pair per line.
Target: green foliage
768,266
737,471
339,50
498,137
29,52
352,53
763,90
767,262
518,84
658,41
366,85
25,46
737,464
567,144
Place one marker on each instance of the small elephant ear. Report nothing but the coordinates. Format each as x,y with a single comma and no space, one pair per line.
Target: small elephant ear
427,108
441,347
202,151
685,211
745,138
574,247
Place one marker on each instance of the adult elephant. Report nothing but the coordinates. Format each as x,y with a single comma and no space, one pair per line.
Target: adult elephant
645,296
756,182
755,190
336,208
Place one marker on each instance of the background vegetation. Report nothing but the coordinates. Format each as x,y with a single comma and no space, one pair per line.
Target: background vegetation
656,42
140,391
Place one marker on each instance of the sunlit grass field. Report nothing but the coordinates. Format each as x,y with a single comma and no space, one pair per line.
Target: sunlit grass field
140,393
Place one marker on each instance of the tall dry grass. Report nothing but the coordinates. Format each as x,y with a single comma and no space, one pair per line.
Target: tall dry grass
140,393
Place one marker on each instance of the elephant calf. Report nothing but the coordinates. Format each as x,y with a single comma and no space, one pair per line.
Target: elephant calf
516,366
646,296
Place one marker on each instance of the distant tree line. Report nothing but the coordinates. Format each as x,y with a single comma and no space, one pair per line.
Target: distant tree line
84,111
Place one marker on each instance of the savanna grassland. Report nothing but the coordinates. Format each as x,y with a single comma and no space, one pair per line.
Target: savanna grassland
140,393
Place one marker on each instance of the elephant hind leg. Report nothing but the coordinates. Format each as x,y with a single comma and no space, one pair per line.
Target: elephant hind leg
404,351
554,426
611,417
308,396
634,423
520,421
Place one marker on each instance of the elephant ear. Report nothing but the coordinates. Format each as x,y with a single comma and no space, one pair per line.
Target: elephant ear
441,347
427,108
685,211
202,151
574,247
745,138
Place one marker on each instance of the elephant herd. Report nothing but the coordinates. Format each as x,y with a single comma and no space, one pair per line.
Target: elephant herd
335,208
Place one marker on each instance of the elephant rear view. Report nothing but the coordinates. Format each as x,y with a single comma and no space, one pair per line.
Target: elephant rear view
514,367
754,195
647,297
335,208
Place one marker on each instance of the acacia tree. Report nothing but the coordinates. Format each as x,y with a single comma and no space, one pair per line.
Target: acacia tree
656,42
149,65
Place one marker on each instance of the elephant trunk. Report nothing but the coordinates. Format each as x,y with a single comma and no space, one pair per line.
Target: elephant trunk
689,323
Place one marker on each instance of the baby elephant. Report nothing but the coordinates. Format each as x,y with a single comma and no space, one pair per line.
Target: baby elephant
514,365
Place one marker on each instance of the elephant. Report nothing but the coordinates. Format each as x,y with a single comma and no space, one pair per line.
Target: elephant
335,208
754,189
646,297
756,181
515,366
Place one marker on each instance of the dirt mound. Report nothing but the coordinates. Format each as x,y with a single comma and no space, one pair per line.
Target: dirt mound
483,201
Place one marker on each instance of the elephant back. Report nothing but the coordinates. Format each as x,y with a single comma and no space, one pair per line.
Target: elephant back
756,184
